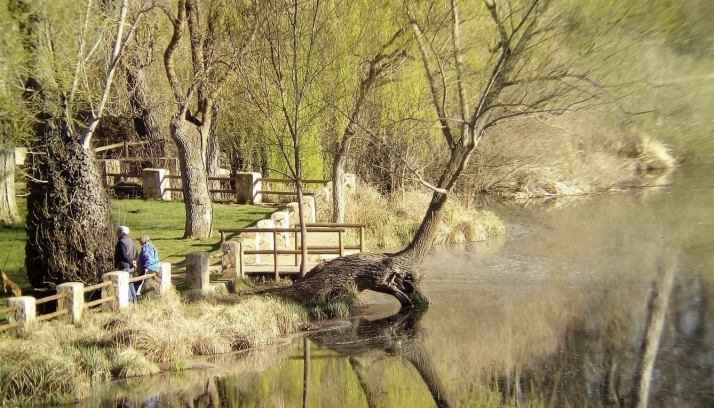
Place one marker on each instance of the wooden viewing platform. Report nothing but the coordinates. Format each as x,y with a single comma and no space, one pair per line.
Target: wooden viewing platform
322,238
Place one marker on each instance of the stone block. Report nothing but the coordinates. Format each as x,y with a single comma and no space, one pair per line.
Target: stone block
26,311
155,183
198,274
247,187
74,302
119,289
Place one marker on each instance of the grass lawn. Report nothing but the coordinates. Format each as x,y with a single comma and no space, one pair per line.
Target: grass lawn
162,221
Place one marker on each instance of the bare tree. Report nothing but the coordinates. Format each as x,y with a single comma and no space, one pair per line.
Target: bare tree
381,65
69,227
522,75
285,88
212,64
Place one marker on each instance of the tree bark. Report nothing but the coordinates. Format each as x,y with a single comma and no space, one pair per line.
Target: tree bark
8,206
146,121
70,234
380,272
197,202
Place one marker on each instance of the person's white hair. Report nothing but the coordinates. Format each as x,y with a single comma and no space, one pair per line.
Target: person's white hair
124,230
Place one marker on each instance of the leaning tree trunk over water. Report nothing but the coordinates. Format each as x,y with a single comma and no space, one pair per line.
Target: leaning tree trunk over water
8,206
70,235
397,274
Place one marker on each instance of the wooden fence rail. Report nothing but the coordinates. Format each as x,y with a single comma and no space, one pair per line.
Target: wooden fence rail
70,298
5,311
337,228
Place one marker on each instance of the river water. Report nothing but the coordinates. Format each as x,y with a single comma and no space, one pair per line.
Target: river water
601,301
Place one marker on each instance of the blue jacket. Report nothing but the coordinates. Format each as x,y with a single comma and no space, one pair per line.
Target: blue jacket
149,258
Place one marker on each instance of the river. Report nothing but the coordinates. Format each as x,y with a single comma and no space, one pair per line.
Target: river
600,301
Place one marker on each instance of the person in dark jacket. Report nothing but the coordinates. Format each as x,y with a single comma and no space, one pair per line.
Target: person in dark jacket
125,256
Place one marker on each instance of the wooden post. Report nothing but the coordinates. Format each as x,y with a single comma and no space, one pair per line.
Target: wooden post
361,239
341,243
275,255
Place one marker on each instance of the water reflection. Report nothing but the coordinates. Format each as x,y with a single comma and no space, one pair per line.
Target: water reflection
605,302
367,341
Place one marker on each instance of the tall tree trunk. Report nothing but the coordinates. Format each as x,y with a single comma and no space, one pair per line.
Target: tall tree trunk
197,201
8,206
146,121
213,152
70,235
338,188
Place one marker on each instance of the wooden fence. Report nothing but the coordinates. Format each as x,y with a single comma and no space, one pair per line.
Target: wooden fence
318,249
71,298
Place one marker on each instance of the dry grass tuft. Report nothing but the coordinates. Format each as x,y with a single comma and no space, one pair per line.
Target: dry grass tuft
39,370
392,221
653,155
132,363
461,225
52,359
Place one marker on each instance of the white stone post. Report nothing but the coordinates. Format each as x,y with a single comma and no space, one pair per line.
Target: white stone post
155,183
26,311
308,205
349,181
197,272
247,186
164,274
74,302
282,220
119,289
261,237
110,166
232,259
293,214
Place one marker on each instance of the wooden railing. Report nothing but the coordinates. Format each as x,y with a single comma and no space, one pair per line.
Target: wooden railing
58,312
100,301
286,181
4,312
180,189
337,228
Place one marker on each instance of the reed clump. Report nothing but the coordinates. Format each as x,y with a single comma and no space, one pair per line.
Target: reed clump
392,220
54,359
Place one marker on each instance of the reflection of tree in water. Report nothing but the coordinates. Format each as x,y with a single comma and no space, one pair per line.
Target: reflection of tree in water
368,341
624,358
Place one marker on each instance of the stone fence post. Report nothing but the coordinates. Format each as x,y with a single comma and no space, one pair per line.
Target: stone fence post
164,277
74,302
197,272
247,186
281,219
26,310
232,259
119,289
155,183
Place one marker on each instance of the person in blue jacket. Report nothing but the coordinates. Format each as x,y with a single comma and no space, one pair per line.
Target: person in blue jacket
148,259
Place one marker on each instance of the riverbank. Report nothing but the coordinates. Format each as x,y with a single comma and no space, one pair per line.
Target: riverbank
54,362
